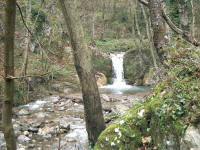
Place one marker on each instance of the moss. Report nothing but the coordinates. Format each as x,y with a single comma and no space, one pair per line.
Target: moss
134,66
179,128
169,110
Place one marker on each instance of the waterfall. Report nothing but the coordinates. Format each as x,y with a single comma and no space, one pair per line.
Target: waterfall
118,72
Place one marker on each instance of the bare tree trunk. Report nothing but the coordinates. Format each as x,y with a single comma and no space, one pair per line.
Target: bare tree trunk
193,18
158,26
92,105
103,21
149,36
93,27
27,41
10,12
184,21
136,20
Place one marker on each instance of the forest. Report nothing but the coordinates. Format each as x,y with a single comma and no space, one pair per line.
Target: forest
100,75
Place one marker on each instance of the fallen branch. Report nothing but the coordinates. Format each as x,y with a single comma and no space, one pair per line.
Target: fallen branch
39,75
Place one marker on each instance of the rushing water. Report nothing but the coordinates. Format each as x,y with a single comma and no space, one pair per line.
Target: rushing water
119,85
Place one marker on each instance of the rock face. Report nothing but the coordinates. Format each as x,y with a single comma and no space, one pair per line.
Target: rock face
102,64
135,68
191,140
101,79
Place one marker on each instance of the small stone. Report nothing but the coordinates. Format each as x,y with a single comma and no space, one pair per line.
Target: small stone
33,130
23,112
61,108
26,133
23,138
141,113
105,98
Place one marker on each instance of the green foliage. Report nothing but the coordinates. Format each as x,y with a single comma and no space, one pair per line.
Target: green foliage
169,110
119,45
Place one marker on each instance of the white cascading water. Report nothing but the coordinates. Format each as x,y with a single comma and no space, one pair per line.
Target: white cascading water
118,80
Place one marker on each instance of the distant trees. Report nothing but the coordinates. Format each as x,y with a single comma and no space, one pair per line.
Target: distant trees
10,12
92,104
159,16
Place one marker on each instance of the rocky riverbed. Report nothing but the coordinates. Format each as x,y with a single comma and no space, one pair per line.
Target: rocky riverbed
58,121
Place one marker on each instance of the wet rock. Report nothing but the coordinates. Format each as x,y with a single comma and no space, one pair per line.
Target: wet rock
23,138
120,109
105,98
46,130
33,130
41,115
61,108
23,112
67,90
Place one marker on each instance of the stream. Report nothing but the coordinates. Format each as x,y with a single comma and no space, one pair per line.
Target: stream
58,121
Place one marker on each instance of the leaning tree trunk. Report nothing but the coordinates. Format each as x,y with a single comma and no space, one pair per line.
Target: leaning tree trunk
10,12
158,26
92,105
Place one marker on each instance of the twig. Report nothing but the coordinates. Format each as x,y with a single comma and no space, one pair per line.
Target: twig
39,43
39,75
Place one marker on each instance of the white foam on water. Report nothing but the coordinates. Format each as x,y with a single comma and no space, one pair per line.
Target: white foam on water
118,70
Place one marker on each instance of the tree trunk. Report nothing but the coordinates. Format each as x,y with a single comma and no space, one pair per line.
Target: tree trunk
184,21
149,36
93,27
158,26
103,21
10,12
92,105
27,40
193,18
136,20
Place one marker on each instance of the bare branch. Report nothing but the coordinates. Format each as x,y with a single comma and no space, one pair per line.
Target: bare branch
184,34
39,75
39,43
144,2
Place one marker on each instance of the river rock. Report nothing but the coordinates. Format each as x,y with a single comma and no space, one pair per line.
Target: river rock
120,109
46,130
23,112
191,140
105,98
101,79
23,138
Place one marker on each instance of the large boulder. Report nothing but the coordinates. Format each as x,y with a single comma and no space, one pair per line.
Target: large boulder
103,64
137,65
101,79
191,140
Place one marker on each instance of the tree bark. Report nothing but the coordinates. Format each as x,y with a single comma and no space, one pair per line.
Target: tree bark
103,21
93,27
158,26
10,12
149,36
92,105
193,18
183,14
27,41
183,33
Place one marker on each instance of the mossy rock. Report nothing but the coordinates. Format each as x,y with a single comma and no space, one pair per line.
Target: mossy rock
103,65
135,67
168,111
